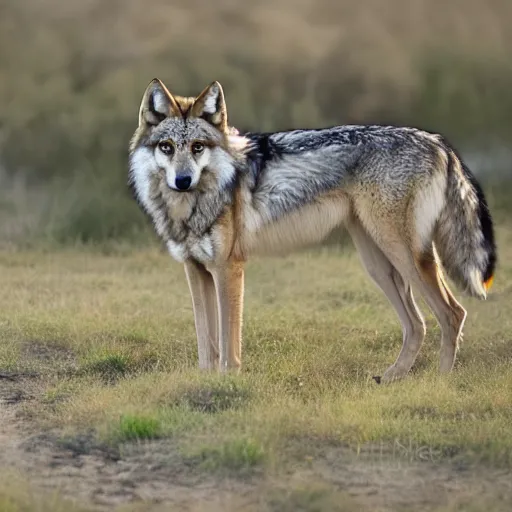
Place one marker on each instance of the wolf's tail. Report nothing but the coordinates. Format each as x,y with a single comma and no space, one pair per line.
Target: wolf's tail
464,234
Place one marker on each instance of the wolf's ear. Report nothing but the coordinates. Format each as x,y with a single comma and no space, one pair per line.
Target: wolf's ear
211,106
157,104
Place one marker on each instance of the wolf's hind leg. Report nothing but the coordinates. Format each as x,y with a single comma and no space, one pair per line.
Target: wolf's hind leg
449,313
399,293
422,270
204,301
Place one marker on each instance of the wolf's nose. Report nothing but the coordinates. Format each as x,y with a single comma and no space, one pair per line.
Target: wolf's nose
183,182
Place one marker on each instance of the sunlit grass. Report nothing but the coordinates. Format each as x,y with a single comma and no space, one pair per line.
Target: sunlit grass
112,341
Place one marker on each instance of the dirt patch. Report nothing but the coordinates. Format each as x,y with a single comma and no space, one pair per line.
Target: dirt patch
18,387
155,472
48,357
90,474
383,482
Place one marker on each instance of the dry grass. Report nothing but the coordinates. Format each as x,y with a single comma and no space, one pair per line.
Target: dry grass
112,339
16,495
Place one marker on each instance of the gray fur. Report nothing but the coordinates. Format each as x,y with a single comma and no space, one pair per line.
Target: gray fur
459,237
290,181
301,165
398,160
183,131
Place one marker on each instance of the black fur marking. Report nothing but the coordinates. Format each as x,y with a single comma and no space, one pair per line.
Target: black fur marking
485,223
261,151
261,147
184,113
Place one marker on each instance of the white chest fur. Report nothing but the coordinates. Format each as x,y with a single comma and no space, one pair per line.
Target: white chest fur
200,249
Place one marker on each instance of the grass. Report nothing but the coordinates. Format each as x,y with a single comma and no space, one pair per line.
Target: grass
136,428
16,495
111,340
234,455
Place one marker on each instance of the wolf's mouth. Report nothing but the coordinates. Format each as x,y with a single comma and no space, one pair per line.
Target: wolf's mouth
182,191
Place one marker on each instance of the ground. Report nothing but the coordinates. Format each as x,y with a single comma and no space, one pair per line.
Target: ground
101,405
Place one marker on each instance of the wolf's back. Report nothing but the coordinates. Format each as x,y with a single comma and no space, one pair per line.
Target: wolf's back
464,233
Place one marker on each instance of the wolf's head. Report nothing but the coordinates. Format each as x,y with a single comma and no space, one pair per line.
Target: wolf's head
185,141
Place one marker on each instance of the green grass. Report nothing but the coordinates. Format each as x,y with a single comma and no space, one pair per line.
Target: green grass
109,366
137,428
112,342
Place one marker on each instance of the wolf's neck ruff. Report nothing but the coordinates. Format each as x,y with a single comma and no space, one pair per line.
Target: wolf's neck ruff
178,216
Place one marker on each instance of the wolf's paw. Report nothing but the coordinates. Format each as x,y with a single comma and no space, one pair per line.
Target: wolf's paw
391,374
231,367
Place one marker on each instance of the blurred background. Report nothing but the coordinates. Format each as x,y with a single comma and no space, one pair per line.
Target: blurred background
72,73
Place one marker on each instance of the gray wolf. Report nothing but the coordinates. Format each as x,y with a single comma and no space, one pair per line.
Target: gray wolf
217,197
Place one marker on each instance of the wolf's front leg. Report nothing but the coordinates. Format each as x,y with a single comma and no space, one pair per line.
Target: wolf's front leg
229,285
204,301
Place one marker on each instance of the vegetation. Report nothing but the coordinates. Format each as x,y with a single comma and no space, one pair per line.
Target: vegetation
106,360
72,79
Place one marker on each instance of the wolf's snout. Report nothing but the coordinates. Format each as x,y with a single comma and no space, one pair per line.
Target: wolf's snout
183,182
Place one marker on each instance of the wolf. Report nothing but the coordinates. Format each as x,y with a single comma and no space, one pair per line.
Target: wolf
216,197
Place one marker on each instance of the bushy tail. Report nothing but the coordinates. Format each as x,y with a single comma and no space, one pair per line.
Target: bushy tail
464,235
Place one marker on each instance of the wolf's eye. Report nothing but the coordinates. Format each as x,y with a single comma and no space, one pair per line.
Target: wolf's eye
166,148
197,147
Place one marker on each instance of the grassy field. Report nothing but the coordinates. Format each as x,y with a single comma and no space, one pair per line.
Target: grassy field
101,405
101,402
